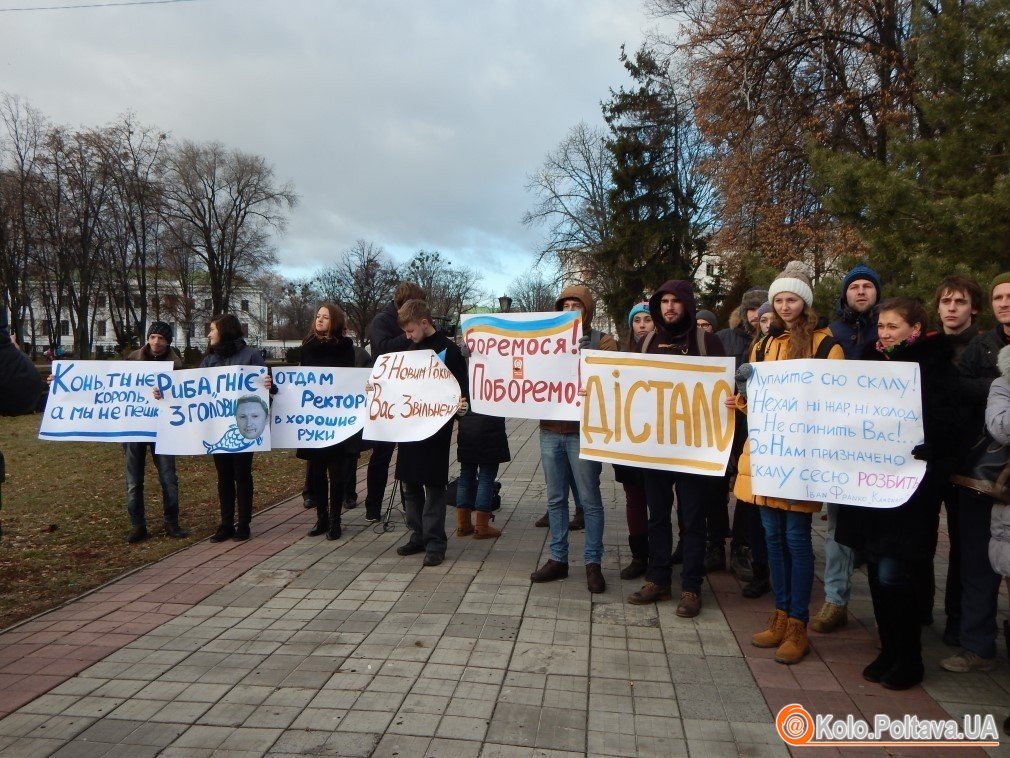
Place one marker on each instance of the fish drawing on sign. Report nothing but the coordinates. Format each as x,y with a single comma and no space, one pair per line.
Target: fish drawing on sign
232,442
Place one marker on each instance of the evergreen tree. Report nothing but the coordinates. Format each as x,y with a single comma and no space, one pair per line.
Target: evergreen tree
940,200
659,200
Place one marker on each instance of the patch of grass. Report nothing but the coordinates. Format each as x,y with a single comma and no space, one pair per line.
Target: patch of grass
64,513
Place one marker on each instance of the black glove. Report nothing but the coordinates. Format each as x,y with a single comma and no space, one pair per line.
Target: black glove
584,342
742,375
923,452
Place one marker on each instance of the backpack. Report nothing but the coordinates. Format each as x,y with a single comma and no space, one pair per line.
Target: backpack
702,350
822,349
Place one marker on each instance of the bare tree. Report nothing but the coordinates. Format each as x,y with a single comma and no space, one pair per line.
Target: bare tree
572,188
132,225
224,204
362,282
20,143
532,292
449,289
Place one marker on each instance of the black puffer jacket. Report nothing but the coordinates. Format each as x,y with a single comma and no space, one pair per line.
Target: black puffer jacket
338,353
482,439
908,532
20,383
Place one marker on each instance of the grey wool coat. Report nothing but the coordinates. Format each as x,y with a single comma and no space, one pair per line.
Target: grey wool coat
997,421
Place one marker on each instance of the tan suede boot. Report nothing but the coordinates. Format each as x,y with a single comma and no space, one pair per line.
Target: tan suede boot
463,526
774,634
795,646
484,530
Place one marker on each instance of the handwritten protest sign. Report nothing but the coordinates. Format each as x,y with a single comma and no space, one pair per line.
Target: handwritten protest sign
224,409
835,431
102,401
657,411
317,407
525,365
413,395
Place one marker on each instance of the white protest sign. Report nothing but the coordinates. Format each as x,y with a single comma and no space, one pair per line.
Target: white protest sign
102,401
413,395
657,411
835,431
317,407
224,409
524,365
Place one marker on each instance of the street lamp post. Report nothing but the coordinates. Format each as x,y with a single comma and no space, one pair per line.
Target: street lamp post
505,304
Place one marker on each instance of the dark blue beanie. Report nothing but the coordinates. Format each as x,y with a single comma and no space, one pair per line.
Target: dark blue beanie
861,272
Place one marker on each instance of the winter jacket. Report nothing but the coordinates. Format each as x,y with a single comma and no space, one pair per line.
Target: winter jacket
961,340
775,348
600,341
236,353
909,531
978,369
20,383
385,334
854,331
427,461
680,338
338,353
145,354
997,422
482,439
736,341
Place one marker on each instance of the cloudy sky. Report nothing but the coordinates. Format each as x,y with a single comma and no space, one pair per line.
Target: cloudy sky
409,124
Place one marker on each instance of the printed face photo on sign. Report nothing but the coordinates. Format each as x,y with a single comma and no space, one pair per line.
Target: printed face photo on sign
251,417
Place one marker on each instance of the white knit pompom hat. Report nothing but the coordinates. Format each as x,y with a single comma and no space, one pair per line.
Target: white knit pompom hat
795,279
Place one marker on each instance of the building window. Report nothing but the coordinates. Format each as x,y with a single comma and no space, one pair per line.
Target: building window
100,301
101,328
138,301
711,269
245,306
64,328
208,304
245,329
191,331
119,300
154,301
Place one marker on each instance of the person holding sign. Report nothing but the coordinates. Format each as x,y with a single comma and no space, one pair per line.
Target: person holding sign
158,348
327,345
225,347
559,455
385,336
630,477
787,523
423,467
673,312
898,543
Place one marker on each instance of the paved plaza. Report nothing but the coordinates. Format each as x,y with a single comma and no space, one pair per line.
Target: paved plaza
289,645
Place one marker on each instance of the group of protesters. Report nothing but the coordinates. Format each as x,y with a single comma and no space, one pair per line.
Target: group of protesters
963,370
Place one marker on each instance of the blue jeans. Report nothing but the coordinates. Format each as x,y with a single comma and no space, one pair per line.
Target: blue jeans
838,564
135,454
476,486
559,455
790,559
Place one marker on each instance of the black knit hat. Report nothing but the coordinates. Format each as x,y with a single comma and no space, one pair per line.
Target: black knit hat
162,329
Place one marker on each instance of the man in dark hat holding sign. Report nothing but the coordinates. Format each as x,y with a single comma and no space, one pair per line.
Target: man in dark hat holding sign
157,348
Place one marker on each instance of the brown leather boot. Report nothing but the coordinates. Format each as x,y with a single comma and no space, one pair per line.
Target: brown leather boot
594,578
794,646
549,572
543,522
650,593
484,530
463,526
774,634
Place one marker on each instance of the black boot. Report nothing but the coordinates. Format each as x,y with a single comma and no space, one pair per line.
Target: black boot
875,671
322,522
639,544
173,530
333,532
715,557
224,532
904,612
760,583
